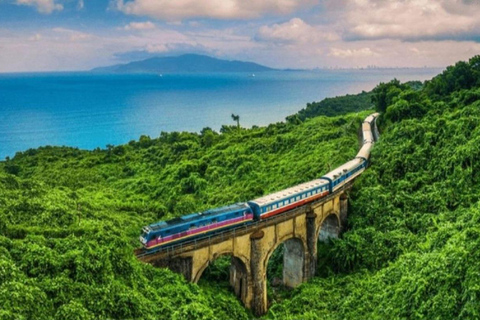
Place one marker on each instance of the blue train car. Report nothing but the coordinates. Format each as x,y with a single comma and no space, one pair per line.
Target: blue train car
288,199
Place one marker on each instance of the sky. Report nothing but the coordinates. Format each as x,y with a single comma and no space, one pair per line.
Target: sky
64,35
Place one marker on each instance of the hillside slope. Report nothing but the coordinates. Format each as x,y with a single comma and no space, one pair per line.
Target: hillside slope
70,219
412,249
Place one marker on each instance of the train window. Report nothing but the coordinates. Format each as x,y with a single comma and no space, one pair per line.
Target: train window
274,206
303,196
298,198
287,202
214,221
309,194
192,226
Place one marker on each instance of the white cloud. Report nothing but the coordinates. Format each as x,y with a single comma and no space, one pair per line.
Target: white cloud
63,49
411,19
72,35
217,9
294,31
349,53
156,48
80,5
36,37
42,6
147,25
291,44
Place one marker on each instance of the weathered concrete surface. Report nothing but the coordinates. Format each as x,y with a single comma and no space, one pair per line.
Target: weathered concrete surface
293,263
343,211
251,248
239,278
329,229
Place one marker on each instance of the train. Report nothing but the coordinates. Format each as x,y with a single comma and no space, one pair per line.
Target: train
165,233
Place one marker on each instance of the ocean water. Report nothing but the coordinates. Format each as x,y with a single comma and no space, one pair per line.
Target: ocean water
90,110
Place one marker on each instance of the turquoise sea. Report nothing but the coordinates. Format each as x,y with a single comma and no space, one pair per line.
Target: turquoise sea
90,110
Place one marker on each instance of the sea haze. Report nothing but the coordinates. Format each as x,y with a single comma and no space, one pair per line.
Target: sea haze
89,110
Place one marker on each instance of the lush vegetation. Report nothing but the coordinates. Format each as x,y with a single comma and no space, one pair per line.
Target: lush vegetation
69,219
331,107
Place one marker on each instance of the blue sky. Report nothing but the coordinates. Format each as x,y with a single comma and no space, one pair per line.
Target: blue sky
59,35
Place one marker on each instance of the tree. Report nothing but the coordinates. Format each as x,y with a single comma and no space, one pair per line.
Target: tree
236,118
384,93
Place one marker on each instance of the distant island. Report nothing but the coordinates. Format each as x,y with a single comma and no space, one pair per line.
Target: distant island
187,63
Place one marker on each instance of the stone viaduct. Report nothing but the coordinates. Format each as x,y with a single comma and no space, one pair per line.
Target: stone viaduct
250,248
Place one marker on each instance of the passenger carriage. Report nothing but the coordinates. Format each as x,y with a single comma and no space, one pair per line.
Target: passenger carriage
288,199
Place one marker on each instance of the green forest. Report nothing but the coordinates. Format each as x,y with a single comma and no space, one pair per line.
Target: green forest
70,219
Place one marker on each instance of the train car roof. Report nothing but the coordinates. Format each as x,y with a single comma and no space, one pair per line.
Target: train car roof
194,216
274,197
342,169
371,117
364,152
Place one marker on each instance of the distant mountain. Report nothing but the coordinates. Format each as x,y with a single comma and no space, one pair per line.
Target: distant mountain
187,63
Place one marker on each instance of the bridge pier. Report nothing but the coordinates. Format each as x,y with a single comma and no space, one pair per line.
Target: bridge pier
259,304
293,263
343,211
311,257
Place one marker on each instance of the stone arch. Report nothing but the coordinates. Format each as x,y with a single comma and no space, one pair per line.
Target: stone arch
198,275
239,272
329,228
294,258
